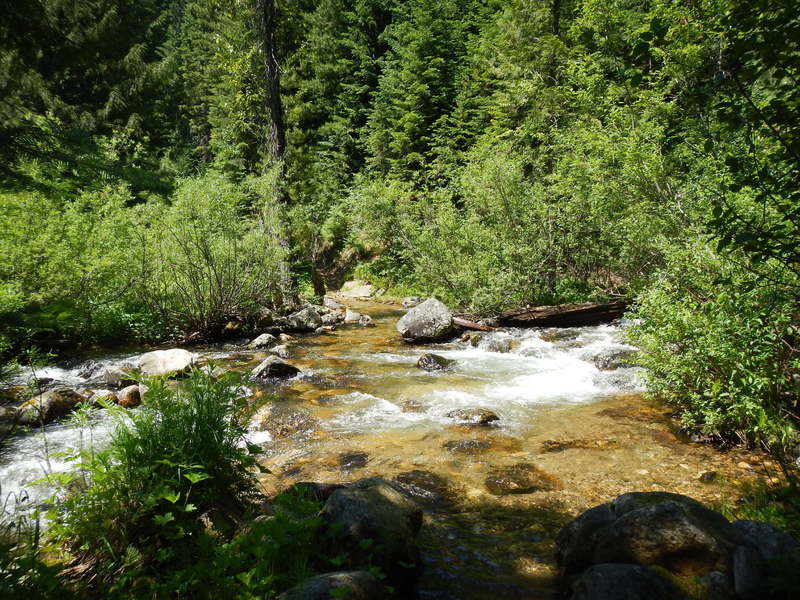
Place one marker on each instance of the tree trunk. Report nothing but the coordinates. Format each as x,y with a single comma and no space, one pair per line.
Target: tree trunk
555,13
267,13
564,315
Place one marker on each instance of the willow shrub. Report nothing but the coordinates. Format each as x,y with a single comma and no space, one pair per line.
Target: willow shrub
214,254
720,341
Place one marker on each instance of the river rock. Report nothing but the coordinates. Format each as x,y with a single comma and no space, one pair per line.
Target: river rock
753,560
97,395
434,362
351,316
353,460
331,304
282,419
352,585
425,487
366,321
166,363
265,340
264,317
670,531
521,478
129,397
473,416
281,351
48,406
304,320
274,368
378,510
430,321
332,318
113,376
89,369
623,582
467,446
615,359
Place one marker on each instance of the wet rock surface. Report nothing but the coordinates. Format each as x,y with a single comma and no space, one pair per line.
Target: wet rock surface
473,416
620,582
47,407
434,362
129,397
353,460
521,478
467,446
283,419
274,367
425,487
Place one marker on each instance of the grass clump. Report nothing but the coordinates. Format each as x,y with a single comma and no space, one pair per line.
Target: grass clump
163,513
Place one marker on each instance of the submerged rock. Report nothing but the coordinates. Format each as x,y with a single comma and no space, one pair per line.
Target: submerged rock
615,359
166,363
351,316
265,340
434,362
352,585
430,321
425,486
413,406
274,368
467,446
366,321
473,416
378,510
353,460
521,478
283,419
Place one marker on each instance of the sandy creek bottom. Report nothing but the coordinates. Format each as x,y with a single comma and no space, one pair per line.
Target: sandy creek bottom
565,407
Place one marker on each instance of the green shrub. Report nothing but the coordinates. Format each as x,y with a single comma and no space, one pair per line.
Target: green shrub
720,342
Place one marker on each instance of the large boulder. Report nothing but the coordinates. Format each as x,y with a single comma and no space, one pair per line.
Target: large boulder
129,397
304,320
48,406
274,367
352,585
623,582
166,363
378,510
659,529
112,376
430,321
754,561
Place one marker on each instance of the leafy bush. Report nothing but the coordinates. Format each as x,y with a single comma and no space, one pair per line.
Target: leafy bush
213,255
722,345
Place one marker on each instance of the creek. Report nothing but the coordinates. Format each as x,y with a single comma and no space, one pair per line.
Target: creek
573,431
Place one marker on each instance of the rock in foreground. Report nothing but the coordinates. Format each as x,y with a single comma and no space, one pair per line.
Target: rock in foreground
430,321
47,407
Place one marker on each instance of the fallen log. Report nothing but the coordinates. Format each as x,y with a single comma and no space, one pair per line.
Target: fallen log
464,323
564,315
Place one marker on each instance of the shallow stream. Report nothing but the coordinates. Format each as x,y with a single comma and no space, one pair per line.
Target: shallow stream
573,427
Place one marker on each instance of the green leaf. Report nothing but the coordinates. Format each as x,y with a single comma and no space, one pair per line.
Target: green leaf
194,477
162,520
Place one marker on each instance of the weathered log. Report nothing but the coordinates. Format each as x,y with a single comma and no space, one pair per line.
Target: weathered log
471,325
564,315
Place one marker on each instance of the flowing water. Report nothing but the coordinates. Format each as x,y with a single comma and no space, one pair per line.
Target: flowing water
570,411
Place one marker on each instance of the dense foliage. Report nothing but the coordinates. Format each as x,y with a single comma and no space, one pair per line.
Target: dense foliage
491,153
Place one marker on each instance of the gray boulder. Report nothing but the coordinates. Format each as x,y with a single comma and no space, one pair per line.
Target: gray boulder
670,531
378,510
430,321
366,321
166,363
753,561
274,367
281,351
265,340
331,304
623,582
351,585
351,316
304,320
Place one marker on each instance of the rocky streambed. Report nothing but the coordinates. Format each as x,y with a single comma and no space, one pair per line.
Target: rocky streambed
517,432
